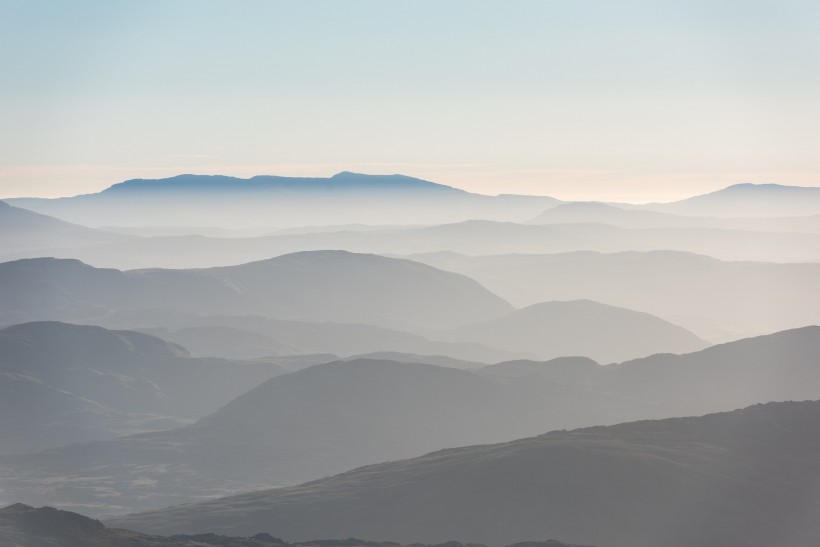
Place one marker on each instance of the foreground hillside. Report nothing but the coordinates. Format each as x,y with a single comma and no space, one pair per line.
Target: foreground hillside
748,477
333,417
24,526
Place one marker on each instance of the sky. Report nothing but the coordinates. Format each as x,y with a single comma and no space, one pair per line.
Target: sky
626,100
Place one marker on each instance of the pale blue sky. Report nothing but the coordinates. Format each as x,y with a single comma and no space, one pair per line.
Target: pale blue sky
634,100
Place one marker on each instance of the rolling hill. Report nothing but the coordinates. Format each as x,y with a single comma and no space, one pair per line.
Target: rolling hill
719,301
604,333
335,416
65,383
22,230
315,286
747,200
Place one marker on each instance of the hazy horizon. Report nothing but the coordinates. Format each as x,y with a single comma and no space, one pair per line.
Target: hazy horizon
475,272
324,175
646,101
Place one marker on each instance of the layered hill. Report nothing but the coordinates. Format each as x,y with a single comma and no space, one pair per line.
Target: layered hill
64,383
23,230
717,300
336,416
316,286
604,333
243,337
299,426
474,237
747,477
746,200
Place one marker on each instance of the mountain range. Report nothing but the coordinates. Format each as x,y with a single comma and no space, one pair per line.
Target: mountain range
254,203
311,301
321,285
213,200
474,237
380,356
203,200
718,300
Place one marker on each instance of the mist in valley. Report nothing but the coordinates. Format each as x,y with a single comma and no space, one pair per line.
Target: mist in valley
367,274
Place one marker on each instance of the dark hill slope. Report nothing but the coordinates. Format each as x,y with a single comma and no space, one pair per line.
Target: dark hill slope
749,477
66,383
24,526
332,417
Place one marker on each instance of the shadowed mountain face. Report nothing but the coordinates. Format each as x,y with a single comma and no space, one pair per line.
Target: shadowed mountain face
717,300
66,383
332,417
200,200
24,526
749,477
558,329
318,286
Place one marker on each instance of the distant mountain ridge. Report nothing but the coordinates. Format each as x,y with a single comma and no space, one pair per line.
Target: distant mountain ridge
344,181
748,199
24,230
282,202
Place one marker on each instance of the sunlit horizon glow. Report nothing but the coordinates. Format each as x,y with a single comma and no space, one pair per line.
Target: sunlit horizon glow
638,101
568,185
